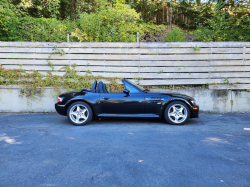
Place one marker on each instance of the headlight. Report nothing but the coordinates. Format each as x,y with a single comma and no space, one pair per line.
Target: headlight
193,102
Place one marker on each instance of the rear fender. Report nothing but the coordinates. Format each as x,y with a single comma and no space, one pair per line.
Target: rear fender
92,105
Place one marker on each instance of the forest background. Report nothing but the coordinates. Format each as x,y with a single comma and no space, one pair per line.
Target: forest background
120,20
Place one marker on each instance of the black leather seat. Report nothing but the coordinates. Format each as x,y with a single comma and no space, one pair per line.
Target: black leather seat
105,88
100,87
93,89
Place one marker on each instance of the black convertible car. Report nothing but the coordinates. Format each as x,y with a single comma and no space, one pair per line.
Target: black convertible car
135,101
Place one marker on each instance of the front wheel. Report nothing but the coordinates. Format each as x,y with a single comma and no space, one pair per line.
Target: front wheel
177,113
79,113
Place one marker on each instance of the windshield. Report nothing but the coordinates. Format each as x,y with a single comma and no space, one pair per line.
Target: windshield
137,86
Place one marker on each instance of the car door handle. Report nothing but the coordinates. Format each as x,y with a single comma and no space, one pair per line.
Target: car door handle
106,98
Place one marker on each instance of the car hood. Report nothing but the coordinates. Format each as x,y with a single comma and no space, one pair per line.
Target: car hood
180,95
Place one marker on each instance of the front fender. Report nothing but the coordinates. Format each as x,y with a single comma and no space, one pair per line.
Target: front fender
166,102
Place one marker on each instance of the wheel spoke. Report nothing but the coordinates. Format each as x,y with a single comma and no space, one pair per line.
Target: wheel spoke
83,111
174,109
83,116
77,118
176,118
74,113
172,114
181,116
78,108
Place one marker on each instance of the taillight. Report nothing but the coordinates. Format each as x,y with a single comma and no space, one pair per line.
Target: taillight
60,99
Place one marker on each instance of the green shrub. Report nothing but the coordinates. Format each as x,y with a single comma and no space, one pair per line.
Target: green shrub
175,35
110,24
38,29
152,32
6,14
203,34
224,27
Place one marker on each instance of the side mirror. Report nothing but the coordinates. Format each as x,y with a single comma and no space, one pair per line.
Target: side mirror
126,91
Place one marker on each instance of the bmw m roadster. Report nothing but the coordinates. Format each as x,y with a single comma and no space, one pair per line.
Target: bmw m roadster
81,106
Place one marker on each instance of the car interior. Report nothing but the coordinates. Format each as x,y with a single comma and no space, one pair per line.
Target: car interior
101,88
98,88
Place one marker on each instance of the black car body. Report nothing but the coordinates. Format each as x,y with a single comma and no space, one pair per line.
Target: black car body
135,101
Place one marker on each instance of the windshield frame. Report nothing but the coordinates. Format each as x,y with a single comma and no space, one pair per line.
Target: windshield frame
135,85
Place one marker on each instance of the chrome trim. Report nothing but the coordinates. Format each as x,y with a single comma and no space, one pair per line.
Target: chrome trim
61,105
129,115
193,102
155,98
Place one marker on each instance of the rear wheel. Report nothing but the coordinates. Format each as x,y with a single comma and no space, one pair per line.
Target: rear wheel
177,113
79,113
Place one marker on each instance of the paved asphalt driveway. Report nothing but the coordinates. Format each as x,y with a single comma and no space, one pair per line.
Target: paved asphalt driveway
45,150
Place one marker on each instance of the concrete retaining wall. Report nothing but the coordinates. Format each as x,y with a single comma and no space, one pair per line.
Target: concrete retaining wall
221,101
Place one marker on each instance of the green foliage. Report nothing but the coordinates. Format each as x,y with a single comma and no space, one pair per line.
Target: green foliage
119,20
58,51
152,32
37,29
203,34
7,14
160,72
116,24
43,8
148,9
223,26
74,65
33,81
175,35
226,81
50,65
196,48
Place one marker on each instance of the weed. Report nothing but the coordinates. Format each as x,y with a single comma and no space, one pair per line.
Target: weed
175,35
58,51
73,65
88,71
226,81
196,48
50,65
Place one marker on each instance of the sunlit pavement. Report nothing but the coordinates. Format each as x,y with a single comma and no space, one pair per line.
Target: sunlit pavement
46,150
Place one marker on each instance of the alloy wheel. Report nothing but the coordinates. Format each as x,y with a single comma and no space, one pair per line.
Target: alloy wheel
177,113
79,113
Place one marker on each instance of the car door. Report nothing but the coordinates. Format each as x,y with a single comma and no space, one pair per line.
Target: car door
122,103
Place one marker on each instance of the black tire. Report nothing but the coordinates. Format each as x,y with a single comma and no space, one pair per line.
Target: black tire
175,117
77,111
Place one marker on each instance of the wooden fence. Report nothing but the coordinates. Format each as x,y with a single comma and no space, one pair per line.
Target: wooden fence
188,63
